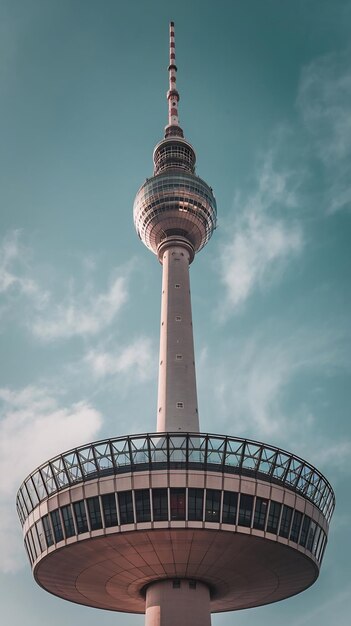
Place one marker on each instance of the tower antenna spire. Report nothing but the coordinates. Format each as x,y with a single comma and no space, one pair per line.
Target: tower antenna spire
172,93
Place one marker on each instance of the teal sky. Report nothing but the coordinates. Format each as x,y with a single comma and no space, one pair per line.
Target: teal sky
265,99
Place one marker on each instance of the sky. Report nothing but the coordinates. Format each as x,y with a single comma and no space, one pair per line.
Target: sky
265,90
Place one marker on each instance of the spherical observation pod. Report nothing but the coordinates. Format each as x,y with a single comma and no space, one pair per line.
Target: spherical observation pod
105,521
175,203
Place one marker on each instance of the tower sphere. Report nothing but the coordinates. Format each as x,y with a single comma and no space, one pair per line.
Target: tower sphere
174,202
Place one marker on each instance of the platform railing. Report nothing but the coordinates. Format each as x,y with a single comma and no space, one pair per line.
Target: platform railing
196,451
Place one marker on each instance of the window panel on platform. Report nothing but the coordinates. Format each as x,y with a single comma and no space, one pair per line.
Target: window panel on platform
273,517
160,505
36,540
94,513
41,536
195,504
213,505
56,525
260,514
125,503
230,505
81,517
31,545
142,505
245,510
310,535
68,522
296,525
177,502
285,521
47,531
304,530
109,509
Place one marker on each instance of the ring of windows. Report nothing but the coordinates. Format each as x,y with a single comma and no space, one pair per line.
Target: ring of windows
175,504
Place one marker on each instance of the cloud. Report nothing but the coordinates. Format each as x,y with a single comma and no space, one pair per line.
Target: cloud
15,276
335,605
84,313
33,428
136,358
253,379
260,244
324,101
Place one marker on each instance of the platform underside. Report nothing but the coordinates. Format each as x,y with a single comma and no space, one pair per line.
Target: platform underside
111,572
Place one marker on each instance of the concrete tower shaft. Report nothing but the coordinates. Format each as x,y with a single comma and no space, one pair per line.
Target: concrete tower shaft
177,397
171,604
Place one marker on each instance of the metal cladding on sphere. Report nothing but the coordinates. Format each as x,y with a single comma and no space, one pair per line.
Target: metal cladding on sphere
175,524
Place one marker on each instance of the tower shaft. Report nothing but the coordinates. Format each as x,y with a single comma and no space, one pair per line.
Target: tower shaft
177,397
175,602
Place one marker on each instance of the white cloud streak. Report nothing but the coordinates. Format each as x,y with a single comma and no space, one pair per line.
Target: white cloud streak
137,359
252,381
33,428
82,314
259,244
324,101
14,271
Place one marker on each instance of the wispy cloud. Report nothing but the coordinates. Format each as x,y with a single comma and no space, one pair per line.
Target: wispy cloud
136,358
337,605
261,239
252,382
15,278
324,101
33,428
82,313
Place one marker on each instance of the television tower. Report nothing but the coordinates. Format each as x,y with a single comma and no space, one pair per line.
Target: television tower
175,524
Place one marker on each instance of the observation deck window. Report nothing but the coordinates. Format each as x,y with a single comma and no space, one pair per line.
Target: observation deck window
27,547
195,504
41,536
285,521
295,527
81,517
109,509
94,513
245,510
177,500
47,531
31,547
142,505
56,525
230,504
273,517
36,540
68,521
304,530
310,536
260,514
160,505
125,502
320,551
316,539
213,505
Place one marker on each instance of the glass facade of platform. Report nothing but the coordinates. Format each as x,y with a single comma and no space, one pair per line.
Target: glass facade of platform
238,510
174,451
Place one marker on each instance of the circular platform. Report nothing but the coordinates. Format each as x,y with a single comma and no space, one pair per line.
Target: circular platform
111,572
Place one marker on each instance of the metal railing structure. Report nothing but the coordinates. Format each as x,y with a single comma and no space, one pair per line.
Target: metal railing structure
202,452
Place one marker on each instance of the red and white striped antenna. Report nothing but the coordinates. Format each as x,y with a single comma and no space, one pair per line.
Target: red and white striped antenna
172,94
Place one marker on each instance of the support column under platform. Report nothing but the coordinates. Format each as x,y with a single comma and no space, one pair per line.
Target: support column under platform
178,602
